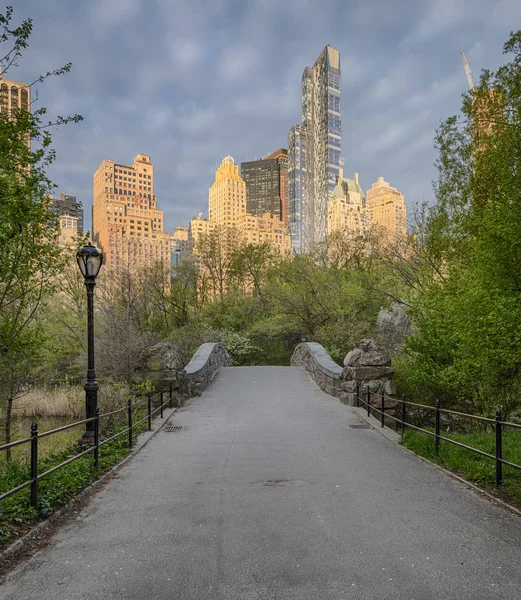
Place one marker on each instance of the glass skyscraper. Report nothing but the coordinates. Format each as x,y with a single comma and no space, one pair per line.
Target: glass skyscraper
315,149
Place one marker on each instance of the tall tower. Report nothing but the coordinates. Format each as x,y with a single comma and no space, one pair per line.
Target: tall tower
227,196
319,155
125,219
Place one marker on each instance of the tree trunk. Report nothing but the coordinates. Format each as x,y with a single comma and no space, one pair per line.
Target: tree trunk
8,416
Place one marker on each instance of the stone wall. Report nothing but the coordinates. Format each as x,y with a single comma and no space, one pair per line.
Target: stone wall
366,368
200,371
314,358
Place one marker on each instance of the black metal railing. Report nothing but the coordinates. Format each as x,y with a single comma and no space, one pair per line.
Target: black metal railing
99,442
399,405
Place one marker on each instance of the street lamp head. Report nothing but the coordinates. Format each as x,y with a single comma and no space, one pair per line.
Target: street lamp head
89,260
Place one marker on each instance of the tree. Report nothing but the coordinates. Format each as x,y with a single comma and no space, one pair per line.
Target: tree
467,311
28,230
215,252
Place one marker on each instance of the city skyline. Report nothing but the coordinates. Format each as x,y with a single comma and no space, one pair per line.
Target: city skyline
396,87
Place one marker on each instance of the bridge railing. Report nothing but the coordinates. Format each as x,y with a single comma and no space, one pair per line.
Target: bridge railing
130,411
380,403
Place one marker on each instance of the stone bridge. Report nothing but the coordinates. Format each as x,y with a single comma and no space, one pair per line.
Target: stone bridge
273,489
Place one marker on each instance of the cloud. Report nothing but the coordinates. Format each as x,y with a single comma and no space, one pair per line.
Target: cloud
189,83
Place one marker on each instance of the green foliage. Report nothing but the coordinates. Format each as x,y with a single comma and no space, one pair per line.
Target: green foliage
28,230
470,465
59,487
465,292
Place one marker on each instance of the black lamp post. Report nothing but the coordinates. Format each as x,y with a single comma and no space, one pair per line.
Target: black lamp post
89,261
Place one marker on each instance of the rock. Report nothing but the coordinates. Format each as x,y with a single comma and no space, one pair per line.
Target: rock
159,364
161,357
375,386
349,386
390,387
347,373
374,358
352,357
366,373
366,345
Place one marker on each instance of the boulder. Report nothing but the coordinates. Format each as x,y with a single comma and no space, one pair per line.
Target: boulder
347,373
374,358
352,357
366,345
372,372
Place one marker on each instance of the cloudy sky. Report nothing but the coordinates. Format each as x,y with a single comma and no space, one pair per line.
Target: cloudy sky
190,82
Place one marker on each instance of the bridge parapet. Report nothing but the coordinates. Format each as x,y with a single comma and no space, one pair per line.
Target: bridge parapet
313,357
200,371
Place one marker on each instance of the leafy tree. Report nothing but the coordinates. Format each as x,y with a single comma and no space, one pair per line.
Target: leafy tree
467,306
28,230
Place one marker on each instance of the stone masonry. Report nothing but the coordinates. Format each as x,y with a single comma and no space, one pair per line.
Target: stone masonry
365,368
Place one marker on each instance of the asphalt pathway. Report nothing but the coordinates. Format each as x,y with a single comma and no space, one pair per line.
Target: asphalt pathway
267,493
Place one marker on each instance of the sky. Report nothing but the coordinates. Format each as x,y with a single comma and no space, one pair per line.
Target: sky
190,82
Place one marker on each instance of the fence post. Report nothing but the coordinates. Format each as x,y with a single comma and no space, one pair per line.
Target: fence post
170,403
161,411
34,464
357,394
499,449
149,402
96,438
368,401
404,413
129,412
383,409
437,437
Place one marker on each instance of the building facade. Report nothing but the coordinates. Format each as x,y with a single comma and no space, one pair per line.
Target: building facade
281,155
347,207
387,210
69,206
126,222
227,207
227,196
318,141
13,95
262,179
180,244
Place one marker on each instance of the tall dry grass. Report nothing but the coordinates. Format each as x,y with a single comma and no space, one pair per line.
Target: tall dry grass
55,401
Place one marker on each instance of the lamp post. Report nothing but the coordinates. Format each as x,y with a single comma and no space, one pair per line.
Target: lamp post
89,260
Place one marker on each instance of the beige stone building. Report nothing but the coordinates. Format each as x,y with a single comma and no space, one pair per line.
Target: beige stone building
126,222
227,206
14,94
387,209
347,207
227,196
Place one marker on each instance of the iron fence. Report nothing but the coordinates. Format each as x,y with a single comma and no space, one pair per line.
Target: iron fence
99,441
400,407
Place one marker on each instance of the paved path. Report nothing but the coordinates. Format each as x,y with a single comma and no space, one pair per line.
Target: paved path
267,493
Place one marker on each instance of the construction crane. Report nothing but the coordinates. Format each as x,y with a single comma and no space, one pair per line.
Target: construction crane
468,72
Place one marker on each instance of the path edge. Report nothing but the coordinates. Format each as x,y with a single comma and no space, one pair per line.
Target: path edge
146,436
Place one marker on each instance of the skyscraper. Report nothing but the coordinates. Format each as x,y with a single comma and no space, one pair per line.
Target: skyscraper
315,151
387,209
126,222
227,207
282,157
262,179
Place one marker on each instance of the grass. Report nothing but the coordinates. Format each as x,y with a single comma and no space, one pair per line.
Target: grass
471,466
55,490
